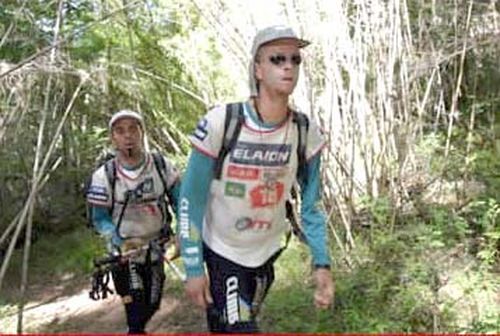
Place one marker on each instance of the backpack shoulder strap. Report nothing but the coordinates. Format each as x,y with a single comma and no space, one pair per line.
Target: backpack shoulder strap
302,122
110,171
302,127
161,168
232,127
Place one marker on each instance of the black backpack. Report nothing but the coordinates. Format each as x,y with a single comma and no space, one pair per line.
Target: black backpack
109,163
232,126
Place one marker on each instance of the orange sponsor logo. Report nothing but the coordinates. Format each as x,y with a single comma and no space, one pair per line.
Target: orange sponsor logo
242,173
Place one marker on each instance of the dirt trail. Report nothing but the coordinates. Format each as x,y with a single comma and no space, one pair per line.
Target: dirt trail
68,309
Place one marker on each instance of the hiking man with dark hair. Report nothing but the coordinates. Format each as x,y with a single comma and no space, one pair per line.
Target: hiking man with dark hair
128,198
233,195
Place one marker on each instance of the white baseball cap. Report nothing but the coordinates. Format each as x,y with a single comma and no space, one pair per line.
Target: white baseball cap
265,36
126,114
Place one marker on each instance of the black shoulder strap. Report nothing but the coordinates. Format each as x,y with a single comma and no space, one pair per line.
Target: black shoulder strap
161,167
303,127
110,170
232,127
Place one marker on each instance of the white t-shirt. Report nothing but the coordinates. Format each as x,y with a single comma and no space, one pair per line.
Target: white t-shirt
244,221
143,215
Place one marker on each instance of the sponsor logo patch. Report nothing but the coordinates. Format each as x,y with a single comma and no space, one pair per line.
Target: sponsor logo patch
184,218
247,223
98,193
97,189
232,306
192,250
268,155
242,173
267,194
272,175
148,186
201,130
191,261
235,189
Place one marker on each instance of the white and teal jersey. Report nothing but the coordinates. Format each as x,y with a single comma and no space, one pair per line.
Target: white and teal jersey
144,211
244,219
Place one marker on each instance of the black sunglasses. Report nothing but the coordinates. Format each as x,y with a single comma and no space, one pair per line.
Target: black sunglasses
279,59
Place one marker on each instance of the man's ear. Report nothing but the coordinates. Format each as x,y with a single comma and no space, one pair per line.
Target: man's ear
112,139
258,72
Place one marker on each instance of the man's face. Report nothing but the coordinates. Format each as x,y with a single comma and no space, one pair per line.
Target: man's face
277,66
126,135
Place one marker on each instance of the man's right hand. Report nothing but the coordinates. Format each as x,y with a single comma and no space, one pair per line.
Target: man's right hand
113,242
198,290
132,244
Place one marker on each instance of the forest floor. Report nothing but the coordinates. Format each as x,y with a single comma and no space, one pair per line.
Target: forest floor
65,307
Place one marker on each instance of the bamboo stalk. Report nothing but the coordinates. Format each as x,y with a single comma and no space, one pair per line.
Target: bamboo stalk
345,254
9,228
132,56
227,39
36,181
470,133
453,110
16,219
6,121
162,79
166,133
12,24
28,232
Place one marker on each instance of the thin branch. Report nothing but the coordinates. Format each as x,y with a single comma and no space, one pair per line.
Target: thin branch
77,32
162,79
27,238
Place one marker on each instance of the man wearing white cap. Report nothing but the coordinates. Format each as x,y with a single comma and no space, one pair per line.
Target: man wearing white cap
128,196
232,208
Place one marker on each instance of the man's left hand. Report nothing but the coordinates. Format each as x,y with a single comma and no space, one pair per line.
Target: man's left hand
324,293
176,252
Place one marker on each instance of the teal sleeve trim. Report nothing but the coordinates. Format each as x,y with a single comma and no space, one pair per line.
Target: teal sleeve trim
193,201
104,225
173,196
313,217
